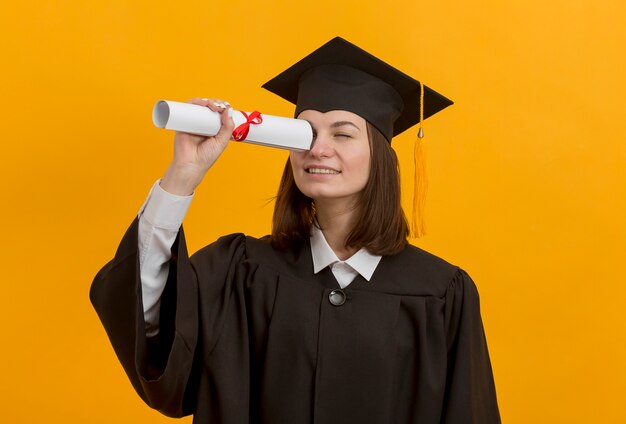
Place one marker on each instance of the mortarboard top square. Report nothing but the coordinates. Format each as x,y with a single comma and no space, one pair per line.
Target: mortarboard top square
342,76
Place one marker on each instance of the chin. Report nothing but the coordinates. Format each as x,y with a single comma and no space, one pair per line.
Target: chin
326,195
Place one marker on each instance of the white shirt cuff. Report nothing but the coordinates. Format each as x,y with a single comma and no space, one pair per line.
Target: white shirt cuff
164,210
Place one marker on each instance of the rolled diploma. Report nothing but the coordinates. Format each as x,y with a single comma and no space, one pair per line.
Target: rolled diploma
274,131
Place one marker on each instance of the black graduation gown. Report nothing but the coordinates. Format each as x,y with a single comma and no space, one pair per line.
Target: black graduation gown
248,335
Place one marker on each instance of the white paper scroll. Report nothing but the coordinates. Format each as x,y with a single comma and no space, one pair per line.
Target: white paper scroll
274,131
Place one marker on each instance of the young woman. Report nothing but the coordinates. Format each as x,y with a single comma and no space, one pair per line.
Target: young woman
334,317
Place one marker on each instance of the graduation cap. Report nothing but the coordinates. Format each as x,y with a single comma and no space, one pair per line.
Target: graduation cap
342,76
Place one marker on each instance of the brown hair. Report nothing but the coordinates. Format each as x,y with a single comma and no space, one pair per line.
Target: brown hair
380,224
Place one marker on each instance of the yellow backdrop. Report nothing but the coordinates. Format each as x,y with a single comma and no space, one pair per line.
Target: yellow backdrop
527,175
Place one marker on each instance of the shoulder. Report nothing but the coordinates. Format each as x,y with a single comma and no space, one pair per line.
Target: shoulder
290,261
229,242
419,272
222,253
249,249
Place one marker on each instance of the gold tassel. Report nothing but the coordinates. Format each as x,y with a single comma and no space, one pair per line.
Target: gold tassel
420,186
420,183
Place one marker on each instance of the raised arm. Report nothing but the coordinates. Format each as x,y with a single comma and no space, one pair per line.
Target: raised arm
162,214
160,368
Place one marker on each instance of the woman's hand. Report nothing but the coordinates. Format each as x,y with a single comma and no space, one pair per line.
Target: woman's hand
195,154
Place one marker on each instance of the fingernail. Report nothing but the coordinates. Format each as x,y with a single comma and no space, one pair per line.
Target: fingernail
227,104
230,112
220,105
204,99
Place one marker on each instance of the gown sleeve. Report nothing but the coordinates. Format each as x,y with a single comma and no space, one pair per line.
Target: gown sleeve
470,389
161,368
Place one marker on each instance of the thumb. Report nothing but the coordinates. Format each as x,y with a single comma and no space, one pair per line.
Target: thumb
227,125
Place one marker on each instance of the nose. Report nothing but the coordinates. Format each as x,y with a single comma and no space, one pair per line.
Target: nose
322,147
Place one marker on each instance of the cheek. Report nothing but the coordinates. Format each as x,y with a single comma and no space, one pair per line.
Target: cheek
295,160
364,163
365,175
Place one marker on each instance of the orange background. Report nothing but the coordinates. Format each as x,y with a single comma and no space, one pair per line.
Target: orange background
527,175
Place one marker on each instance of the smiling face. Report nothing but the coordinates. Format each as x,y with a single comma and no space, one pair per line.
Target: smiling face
337,166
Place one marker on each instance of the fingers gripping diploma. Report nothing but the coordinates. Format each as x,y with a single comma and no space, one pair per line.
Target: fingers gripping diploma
195,154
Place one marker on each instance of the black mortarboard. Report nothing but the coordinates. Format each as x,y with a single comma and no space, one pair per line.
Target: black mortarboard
342,76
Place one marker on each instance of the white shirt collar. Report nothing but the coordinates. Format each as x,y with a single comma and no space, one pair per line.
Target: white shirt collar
362,261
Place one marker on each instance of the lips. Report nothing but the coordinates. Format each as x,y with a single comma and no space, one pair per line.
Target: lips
319,170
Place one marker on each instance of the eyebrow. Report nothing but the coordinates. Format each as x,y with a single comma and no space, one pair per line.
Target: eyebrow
337,124
342,123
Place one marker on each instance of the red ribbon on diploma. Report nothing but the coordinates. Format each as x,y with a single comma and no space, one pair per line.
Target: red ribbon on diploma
241,132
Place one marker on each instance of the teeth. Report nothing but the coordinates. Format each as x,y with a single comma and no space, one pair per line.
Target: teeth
321,171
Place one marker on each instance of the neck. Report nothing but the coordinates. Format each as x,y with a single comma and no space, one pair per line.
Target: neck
336,221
